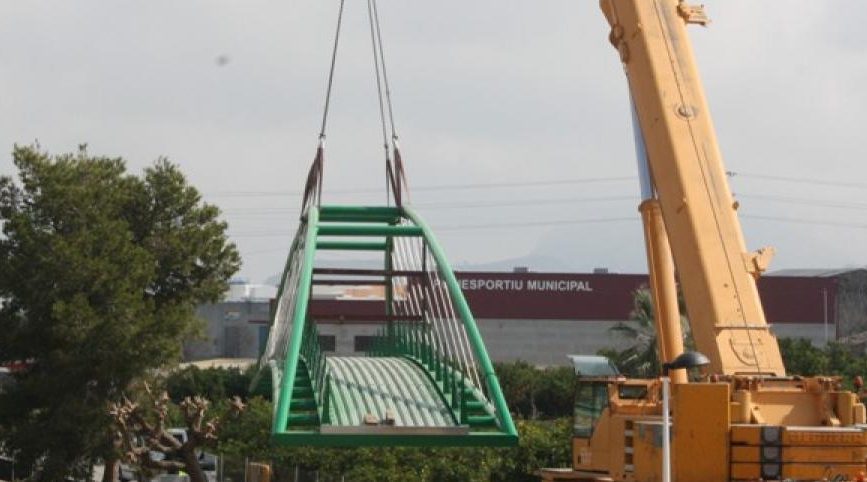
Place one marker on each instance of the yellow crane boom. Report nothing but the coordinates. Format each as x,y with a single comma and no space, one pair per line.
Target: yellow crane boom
717,274
747,420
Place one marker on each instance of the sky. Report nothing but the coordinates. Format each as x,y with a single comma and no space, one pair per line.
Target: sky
512,114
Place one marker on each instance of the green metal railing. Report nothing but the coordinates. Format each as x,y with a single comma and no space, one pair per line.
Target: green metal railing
314,359
490,381
300,303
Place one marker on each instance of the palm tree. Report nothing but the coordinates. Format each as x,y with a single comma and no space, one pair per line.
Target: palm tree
641,358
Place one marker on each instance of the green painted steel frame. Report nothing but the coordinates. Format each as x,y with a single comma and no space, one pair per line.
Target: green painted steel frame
389,216
315,439
299,316
276,382
463,308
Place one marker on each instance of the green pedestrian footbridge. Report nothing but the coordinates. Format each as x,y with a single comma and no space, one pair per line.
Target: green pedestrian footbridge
426,379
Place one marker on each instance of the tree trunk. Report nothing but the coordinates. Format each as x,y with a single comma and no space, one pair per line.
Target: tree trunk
534,412
194,470
112,471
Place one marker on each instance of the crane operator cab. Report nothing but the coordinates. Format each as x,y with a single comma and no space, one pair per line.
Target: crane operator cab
594,376
600,386
607,403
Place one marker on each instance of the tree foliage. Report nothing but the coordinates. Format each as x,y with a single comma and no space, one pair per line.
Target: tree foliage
544,433
641,358
100,271
537,393
802,358
541,444
217,383
142,430
834,359
532,393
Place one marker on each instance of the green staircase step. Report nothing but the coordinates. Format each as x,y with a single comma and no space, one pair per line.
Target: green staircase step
303,419
360,214
351,245
368,230
303,404
302,392
481,420
474,406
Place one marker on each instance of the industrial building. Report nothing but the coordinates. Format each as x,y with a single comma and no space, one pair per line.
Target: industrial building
535,317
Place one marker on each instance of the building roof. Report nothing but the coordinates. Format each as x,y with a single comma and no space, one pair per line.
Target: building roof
814,272
240,290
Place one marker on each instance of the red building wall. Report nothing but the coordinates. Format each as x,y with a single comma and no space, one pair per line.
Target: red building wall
600,297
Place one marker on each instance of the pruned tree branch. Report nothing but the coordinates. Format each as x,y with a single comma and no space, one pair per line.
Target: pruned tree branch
142,431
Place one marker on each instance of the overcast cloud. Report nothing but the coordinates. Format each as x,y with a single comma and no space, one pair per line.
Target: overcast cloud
485,92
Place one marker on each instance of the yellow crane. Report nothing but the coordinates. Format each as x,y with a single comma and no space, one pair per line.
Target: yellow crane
744,419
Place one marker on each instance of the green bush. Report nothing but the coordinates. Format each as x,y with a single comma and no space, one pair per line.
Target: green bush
216,383
834,359
542,444
540,398
537,393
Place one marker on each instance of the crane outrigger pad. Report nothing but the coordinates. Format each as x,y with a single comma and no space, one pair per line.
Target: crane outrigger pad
427,380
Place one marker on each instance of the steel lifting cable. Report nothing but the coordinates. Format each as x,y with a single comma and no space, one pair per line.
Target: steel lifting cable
376,66
384,73
394,167
331,72
376,44
313,186
383,91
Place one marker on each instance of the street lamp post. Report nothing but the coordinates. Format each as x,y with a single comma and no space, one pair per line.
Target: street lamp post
687,360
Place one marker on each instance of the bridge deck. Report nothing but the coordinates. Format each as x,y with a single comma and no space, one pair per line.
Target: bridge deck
385,387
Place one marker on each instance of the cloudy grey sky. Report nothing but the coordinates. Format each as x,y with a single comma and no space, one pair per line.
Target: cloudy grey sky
486,92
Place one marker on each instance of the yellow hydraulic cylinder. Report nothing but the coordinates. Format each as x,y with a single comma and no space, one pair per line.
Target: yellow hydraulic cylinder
663,286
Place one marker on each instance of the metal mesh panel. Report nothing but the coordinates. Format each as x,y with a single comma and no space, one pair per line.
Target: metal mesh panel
281,327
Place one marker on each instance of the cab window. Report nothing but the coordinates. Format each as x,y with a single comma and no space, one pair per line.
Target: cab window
591,400
632,392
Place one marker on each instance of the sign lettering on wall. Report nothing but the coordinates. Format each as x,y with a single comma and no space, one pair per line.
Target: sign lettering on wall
478,284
